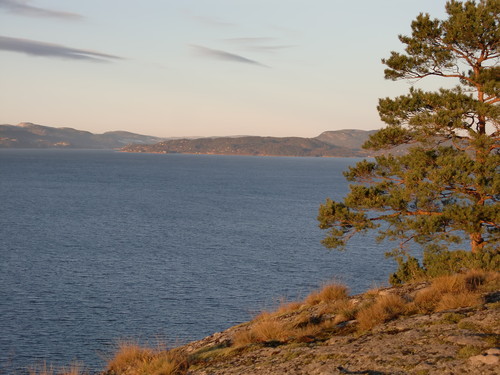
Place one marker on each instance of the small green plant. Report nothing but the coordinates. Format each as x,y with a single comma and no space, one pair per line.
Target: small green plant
469,351
442,263
452,318
471,326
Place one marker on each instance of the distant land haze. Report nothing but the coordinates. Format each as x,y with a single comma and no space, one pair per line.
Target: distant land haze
341,143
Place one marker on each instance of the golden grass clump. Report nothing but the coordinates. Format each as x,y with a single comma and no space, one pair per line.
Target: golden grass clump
455,300
329,293
137,360
243,338
129,355
454,291
385,308
288,307
449,284
345,310
426,300
261,331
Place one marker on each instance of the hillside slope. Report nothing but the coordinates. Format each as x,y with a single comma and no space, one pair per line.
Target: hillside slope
324,145
28,135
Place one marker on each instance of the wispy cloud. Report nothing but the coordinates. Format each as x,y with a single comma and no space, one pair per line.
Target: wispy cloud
258,44
253,40
36,48
23,8
223,55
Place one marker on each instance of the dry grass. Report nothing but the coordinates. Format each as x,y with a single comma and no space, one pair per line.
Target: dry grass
329,293
288,307
453,301
137,360
384,309
269,329
426,300
243,338
128,355
449,284
319,314
346,310
455,291
264,328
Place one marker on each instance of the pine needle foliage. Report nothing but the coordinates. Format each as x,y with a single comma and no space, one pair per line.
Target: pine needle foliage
446,189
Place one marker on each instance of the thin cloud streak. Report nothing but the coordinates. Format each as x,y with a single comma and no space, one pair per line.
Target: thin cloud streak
24,9
223,55
257,44
250,40
36,48
268,48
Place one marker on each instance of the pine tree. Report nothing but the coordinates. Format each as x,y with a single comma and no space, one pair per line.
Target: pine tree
446,188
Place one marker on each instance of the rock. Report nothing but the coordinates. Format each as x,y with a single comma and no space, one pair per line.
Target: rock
493,351
486,359
473,340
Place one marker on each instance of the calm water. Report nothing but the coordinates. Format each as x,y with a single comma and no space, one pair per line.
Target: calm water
97,246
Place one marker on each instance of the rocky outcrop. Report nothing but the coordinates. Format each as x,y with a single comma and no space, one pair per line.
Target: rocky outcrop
456,341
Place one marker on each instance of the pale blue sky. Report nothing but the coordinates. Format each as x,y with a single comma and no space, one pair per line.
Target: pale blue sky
201,67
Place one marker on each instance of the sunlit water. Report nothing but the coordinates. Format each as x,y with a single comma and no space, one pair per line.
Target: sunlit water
98,246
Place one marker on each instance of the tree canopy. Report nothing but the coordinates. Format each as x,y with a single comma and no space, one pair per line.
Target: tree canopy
446,188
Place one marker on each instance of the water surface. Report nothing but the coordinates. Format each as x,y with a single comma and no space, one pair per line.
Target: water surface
97,246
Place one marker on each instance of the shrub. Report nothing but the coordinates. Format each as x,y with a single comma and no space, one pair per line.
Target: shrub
407,271
440,263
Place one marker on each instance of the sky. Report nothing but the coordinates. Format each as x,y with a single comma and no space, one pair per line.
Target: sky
174,68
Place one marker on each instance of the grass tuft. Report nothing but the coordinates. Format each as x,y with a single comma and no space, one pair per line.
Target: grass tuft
456,300
329,293
385,308
132,358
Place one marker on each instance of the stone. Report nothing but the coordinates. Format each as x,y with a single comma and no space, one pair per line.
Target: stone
486,359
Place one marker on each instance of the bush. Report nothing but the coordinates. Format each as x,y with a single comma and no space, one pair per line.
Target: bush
441,262
407,271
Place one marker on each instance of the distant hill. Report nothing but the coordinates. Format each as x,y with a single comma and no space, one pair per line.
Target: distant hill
348,138
28,135
332,143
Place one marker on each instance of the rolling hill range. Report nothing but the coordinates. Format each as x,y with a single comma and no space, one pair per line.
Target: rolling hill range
263,146
331,143
28,135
